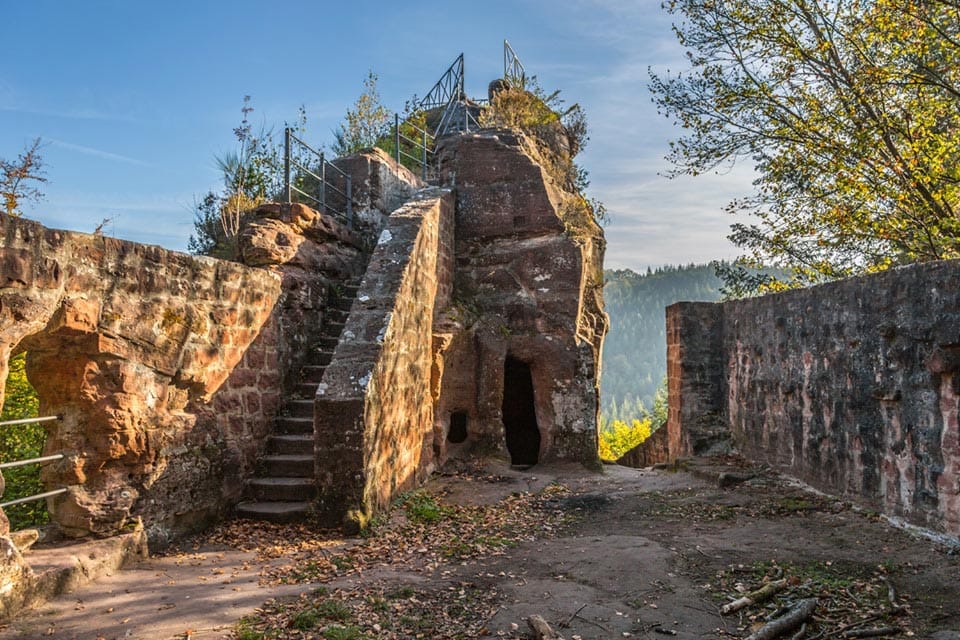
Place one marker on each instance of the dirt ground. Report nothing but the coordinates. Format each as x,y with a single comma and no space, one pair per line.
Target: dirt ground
624,553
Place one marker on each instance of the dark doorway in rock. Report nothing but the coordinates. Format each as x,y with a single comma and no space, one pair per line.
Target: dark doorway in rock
519,413
458,427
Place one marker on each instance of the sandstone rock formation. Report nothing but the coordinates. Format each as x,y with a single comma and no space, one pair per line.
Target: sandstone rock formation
478,328
169,369
521,343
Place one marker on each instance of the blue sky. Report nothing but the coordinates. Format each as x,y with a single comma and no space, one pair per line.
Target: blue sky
134,99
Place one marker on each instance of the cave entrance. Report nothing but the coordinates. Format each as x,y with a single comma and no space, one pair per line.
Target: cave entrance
519,413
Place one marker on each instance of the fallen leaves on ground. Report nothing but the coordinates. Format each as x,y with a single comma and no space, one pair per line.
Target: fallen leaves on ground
422,533
446,610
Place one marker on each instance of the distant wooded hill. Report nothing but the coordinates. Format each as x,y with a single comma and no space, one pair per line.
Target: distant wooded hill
634,353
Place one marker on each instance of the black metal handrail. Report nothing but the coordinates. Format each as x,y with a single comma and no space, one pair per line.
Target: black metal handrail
292,160
21,463
422,146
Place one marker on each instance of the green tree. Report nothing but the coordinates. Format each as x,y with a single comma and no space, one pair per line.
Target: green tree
848,111
365,124
17,179
251,174
20,442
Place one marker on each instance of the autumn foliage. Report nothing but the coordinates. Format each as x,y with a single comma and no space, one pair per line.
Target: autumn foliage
846,110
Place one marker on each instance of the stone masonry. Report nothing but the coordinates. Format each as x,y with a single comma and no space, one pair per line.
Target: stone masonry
852,386
477,327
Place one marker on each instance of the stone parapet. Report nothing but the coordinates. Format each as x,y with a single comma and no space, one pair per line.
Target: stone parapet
853,386
373,411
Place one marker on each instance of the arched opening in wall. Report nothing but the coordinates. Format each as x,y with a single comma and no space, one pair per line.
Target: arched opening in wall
520,414
22,442
457,433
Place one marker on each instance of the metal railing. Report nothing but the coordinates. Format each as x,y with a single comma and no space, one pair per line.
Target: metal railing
21,463
421,147
449,88
513,71
315,178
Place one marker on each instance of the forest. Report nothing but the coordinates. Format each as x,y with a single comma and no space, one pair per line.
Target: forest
634,353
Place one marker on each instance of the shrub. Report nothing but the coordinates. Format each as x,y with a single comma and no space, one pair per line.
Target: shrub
619,438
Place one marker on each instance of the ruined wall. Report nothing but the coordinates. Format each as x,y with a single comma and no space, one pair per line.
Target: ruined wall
528,285
380,185
167,369
121,338
853,386
373,412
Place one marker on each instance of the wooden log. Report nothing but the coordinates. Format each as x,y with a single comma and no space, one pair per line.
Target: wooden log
541,630
763,593
799,614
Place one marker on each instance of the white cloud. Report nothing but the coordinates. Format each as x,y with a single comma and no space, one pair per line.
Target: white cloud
98,153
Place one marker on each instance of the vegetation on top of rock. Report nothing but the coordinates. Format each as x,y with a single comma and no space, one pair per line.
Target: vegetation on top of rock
366,124
252,174
559,133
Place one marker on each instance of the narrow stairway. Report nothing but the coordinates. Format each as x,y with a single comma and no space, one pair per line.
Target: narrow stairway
284,487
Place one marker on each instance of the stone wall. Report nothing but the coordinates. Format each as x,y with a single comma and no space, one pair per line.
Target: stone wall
373,411
169,369
852,386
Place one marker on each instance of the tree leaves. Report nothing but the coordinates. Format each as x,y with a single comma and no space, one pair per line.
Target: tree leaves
16,179
847,111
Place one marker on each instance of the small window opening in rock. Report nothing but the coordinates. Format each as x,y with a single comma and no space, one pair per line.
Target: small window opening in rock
458,428
22,442
519,414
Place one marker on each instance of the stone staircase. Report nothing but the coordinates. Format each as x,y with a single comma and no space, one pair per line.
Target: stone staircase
284,487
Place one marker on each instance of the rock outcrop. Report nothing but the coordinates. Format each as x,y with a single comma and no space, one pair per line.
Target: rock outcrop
518,351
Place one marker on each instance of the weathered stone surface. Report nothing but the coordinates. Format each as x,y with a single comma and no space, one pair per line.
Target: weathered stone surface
528,287
121,343
15,578
167,369
853,386
380,186
373,411
695,424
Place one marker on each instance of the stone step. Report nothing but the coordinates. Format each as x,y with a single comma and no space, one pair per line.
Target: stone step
280,512
328,343
294,425
313,372
290,444
333,329
321,357
281,489
337,316
298,408
287,466
343,304
306,390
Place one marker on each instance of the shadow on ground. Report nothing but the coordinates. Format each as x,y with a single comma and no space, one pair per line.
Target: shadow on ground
625,553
